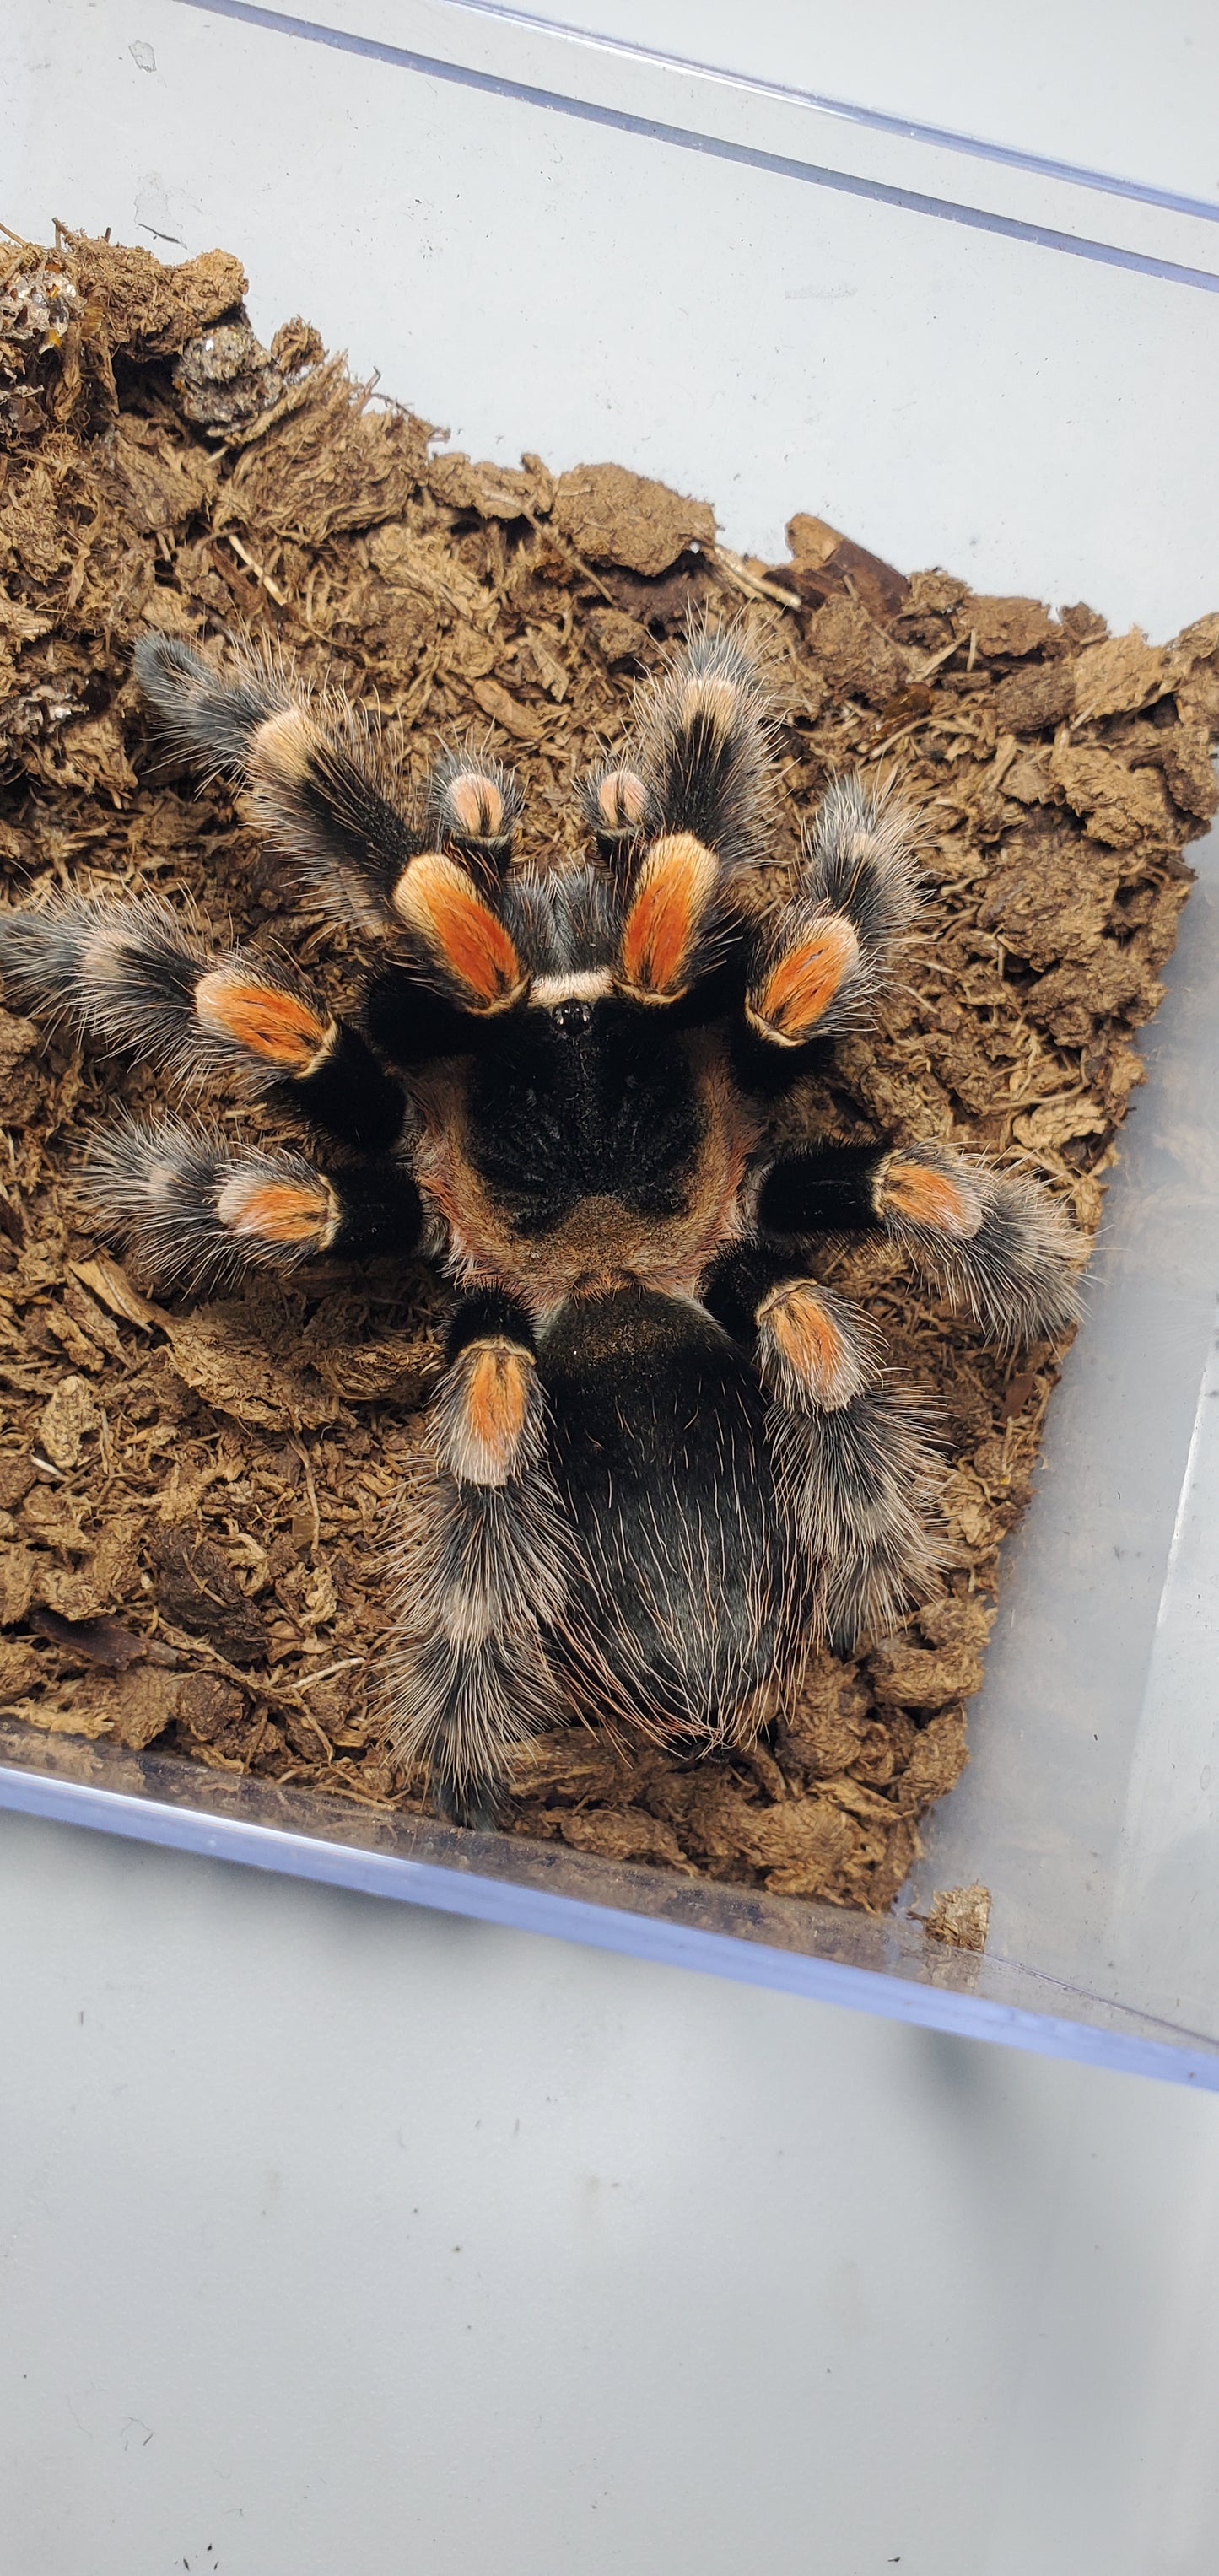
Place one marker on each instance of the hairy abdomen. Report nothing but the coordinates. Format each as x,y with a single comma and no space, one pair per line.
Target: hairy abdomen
687,1615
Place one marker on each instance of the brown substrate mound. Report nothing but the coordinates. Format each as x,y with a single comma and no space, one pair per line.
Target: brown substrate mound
194,1503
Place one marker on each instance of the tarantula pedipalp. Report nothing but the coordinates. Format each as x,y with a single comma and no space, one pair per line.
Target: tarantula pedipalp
666,1458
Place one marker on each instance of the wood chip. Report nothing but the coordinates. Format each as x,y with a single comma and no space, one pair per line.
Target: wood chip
108,1280
960,1916
616,517
94,1641
67,1420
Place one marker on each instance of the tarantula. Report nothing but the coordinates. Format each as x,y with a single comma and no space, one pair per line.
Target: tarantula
665,1457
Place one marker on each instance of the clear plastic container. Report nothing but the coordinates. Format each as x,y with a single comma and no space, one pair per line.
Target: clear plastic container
1091,1804
896,325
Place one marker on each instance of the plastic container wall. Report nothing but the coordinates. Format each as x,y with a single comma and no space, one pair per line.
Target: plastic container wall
965,334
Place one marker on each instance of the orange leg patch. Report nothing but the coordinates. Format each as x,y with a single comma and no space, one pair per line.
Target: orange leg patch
437,900
798,991
804,1337
492,1385
942,1201
278,1027
672,891
278,1211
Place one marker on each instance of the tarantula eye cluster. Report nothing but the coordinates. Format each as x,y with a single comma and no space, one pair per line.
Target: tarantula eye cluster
667,1458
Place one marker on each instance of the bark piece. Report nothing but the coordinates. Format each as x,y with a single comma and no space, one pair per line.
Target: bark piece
198,1590
613,516
960,1916
67,1420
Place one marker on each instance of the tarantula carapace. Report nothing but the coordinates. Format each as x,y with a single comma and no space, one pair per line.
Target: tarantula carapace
665,1457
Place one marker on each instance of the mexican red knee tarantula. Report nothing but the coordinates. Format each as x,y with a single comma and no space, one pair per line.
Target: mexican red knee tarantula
665,1457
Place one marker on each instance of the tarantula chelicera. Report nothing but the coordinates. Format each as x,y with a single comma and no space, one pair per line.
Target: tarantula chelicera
665,1457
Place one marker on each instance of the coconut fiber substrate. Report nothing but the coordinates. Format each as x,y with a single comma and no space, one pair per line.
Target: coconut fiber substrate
196,1497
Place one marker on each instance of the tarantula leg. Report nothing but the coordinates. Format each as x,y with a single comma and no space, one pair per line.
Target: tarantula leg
135,975
411,1025
678,811
619,808
811,1346
488,1414
856,1477
996,1241
819,961
196,1213
474,805
664,944
700,762
463,946
471,1681
860,1483
318,784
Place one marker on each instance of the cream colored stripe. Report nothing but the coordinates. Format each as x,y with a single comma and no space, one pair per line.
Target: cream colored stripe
589,985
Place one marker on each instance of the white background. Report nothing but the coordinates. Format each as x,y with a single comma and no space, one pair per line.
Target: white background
336,2237
351,2239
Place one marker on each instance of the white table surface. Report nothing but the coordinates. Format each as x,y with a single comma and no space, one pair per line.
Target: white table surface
338,2238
